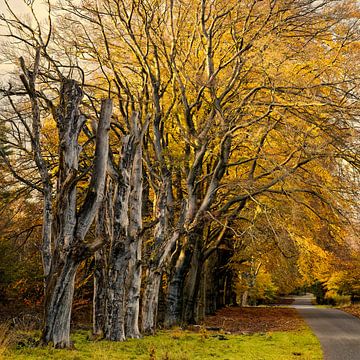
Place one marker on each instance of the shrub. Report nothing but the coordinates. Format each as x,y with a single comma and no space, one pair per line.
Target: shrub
333,298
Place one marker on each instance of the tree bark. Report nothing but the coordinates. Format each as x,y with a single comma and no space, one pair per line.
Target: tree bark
71,227
134,239
58,304
115,295
191,289
100,282
174,304
150,301
105,233
124,258
118,256
158,253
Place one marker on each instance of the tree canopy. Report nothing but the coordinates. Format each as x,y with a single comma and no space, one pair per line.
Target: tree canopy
193,149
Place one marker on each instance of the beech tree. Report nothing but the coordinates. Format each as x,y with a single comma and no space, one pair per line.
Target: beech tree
66,223
219,107
220,84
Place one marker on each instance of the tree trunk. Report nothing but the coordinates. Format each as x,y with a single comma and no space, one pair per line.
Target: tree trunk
124,259
46,231
191,289
175,289
58,304
118,260
158,253
244,298
71,225
133,293
105,234
99,297
150,301
115,296
134,240
212,284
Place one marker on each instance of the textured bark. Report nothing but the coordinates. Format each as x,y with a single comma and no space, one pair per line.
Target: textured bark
124,257
211,285
134,240
47,229
201,311
152,282
118,256
104,231
174,303
71,227
58,304
116,294
191,289
158,253
100,282
150,301
133,291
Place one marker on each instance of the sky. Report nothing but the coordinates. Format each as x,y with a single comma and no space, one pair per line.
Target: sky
20,8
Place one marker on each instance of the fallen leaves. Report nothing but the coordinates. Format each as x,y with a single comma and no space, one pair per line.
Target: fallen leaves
248,320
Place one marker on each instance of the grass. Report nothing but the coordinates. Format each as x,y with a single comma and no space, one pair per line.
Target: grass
183,345
5,339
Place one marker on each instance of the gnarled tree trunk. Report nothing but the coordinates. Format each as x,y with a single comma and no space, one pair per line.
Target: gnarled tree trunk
123,276
134,241
118,256
159,252
104,231
70,226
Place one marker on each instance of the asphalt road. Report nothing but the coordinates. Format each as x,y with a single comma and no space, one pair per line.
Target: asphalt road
338,332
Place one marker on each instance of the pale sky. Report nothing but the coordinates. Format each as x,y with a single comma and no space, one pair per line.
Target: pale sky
20,8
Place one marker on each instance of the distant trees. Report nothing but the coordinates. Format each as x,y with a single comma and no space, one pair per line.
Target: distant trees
234,126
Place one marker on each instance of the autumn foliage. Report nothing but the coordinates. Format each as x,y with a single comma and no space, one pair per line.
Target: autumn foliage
232,172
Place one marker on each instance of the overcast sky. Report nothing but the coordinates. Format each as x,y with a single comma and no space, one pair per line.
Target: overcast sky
20,8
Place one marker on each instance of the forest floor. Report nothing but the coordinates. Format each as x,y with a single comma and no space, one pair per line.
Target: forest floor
352,309
249,320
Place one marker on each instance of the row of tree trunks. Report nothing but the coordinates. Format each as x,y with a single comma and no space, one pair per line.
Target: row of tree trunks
117,280
199,285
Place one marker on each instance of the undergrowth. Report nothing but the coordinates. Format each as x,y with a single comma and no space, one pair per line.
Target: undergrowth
5,338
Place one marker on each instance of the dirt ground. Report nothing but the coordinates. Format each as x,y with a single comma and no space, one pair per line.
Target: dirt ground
248,320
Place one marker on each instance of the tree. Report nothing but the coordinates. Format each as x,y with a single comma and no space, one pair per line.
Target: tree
229,115
222,115
66,223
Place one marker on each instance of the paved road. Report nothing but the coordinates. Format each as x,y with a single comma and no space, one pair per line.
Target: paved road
338,332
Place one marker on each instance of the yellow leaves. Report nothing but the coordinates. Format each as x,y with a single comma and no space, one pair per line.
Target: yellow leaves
314,261
258,211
